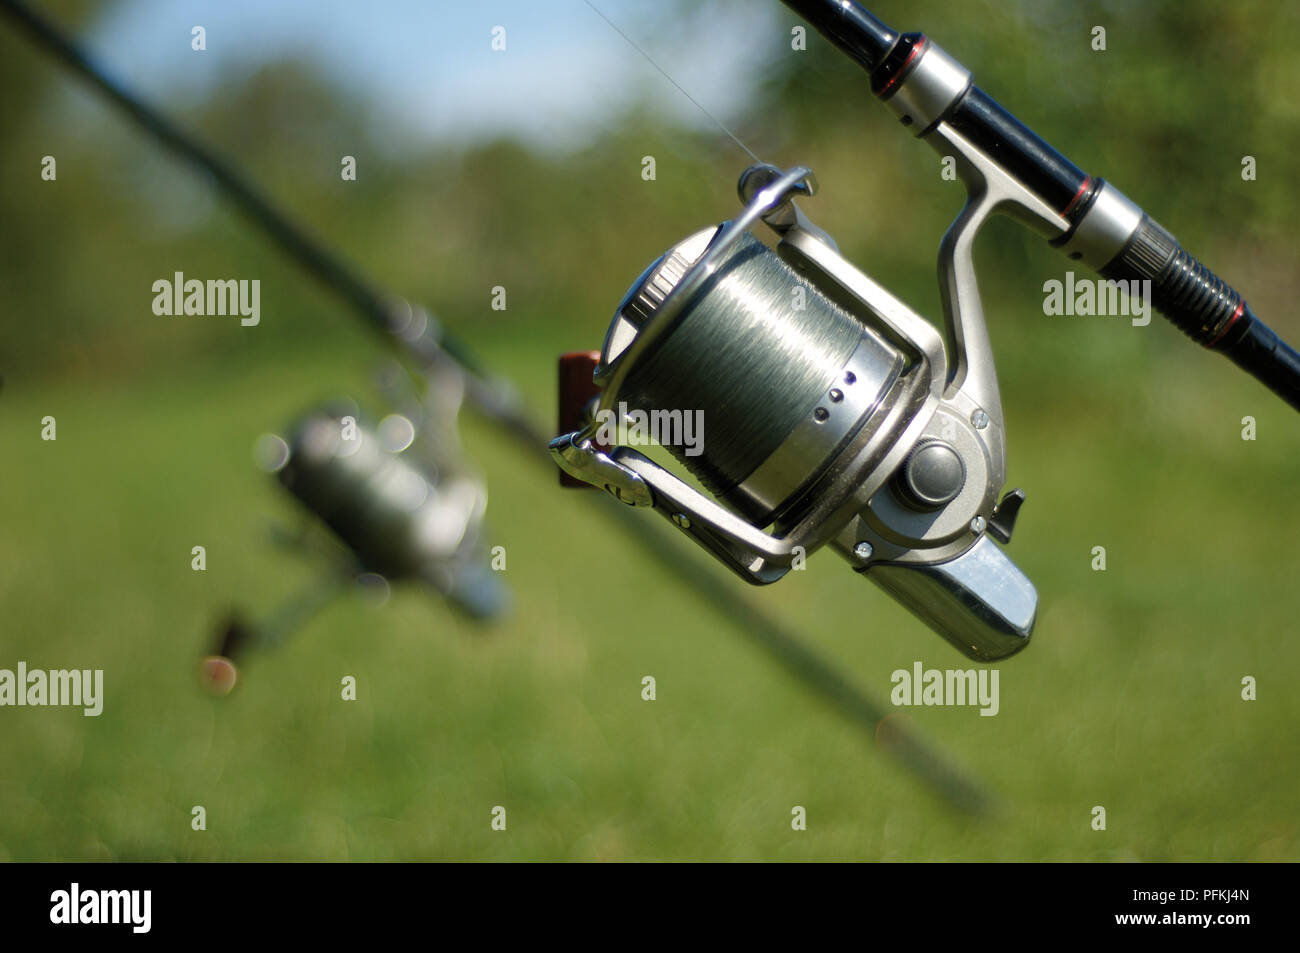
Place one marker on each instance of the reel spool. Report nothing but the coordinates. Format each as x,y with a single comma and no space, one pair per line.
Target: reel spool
832,415
779,373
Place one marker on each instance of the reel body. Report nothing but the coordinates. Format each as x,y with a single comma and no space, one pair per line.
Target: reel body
401,516
396,511
831,414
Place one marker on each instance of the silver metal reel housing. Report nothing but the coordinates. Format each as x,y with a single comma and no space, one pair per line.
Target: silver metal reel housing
888,459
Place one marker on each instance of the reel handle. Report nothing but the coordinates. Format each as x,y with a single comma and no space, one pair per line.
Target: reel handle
577,390
219,671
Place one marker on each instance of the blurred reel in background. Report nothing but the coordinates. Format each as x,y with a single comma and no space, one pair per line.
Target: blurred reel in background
401,505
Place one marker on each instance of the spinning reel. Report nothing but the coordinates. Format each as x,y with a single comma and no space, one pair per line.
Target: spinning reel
400,504
401,517
835,415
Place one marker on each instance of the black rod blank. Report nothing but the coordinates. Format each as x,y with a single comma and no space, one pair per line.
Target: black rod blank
1183,289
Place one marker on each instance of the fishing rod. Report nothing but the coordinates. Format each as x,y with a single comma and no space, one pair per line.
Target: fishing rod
840,417
419,339
1084,217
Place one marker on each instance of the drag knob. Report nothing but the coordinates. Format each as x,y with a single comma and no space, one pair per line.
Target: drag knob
932,477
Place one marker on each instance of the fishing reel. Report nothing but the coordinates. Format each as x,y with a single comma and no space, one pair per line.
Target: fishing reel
399,502
402,518
832,414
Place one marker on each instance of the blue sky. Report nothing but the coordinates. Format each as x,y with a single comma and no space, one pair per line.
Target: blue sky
429,67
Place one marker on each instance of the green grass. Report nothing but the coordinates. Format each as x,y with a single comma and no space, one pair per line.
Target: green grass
1128,698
